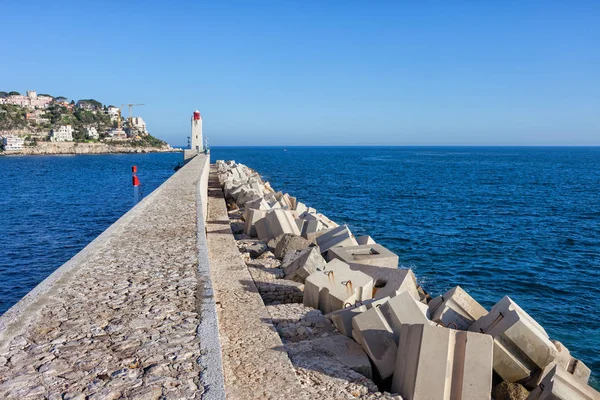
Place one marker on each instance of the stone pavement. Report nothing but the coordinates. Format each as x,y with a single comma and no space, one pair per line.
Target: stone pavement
255,362
120,320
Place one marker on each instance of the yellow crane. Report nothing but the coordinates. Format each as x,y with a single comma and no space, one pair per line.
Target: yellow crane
128,119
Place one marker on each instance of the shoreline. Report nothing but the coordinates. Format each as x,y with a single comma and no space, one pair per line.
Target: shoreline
74,148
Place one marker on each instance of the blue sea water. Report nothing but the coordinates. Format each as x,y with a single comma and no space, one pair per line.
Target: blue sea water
53,206
522,222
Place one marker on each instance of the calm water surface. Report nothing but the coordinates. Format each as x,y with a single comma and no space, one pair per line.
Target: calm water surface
523,222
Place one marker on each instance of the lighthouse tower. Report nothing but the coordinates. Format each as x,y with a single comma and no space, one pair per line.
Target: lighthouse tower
197,132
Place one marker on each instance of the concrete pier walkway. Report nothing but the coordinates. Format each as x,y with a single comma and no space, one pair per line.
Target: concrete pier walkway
121,319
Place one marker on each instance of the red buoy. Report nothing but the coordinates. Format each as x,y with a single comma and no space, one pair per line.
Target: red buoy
134,169
135,181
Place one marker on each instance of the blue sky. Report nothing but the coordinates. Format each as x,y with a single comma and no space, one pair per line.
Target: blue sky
321,72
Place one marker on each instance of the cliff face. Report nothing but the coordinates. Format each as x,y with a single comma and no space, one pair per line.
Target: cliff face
86,148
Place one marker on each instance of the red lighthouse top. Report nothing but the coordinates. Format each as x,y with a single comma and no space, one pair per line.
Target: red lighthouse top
197,115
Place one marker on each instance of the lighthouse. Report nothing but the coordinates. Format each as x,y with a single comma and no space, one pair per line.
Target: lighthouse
197,132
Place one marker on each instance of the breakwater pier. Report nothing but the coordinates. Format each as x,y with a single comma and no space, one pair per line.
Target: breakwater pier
218,286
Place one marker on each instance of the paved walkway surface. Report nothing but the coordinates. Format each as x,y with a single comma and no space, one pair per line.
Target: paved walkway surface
255,363
122,323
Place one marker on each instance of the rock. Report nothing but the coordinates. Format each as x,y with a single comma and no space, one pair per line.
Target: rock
510,391
272,243
290,243
256,249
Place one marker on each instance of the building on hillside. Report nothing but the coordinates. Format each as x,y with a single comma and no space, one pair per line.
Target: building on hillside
11,142
117,133
92,132
37,116
138,124
112,112
63,134
2,100
31,100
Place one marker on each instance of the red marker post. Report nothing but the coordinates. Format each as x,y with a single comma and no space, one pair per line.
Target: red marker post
134,179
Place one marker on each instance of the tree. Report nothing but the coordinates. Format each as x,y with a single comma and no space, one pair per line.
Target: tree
60,98
3,95
72,102
14,93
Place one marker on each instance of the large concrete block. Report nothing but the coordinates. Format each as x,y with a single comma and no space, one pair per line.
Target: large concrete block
342,319
404,309
275,223
247,195
337,237
252,217
300,208
558,384
336,286
308,262
390,282
372,331
290,243
369,254
456,309
440,363
521,345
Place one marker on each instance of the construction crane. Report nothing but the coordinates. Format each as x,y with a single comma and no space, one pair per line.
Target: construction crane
128,119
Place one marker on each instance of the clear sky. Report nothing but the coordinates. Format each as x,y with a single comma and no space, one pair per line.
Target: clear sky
321,72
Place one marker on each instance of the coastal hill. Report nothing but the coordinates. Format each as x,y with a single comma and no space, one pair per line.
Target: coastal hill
28,122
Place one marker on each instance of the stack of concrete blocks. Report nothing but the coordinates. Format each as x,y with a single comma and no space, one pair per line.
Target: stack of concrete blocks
559,384
380,264
337,237
377,329
336,286
456,309
521,345
439,363
306,263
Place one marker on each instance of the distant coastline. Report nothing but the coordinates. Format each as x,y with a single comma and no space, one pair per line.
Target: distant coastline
57,148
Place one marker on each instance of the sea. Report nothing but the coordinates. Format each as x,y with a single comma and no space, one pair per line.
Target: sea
522,222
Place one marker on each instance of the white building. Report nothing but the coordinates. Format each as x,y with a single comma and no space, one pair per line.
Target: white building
113,112
139,125
63,134
11,142
92,132
117,133
31,100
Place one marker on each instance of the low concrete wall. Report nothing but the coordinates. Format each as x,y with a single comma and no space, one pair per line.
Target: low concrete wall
130,315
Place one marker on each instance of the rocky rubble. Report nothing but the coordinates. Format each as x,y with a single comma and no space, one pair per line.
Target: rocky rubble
448,347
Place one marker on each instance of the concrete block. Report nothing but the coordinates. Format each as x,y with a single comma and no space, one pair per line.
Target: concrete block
365,239
521,345
369,254
342,319
563,361
247,195
252,217
456,309
287,201
558,384
276,222
300,208
309,228
308,262
440,363
404,309
390,282
338,237
290,243
371,330
336,286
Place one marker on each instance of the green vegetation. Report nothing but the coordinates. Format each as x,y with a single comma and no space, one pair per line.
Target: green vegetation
14,93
